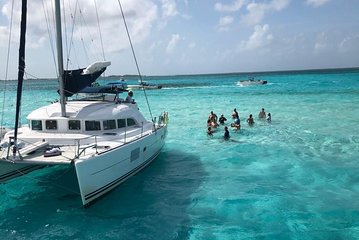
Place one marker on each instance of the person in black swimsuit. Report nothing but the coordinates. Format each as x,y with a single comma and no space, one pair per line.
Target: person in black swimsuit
222,119
226,133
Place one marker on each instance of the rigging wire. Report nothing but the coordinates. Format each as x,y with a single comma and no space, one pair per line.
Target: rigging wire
134,56
7,68
50,33
73,16
65,33
85,50
99,29
91,36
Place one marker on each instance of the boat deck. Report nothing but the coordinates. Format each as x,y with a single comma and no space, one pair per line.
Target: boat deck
69,153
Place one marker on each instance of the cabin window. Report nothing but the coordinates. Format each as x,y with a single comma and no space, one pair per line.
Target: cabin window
121,123
109,124
36,125
131,122
51,124
74,124
92,125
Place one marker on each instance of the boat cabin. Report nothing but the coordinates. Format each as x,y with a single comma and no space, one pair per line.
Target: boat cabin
86,117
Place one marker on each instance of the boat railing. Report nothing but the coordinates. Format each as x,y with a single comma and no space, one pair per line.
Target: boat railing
81,149
128,136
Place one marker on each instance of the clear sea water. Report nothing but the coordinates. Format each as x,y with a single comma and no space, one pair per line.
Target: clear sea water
296,178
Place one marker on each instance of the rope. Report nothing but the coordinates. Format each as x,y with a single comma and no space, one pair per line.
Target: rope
7,69
134,56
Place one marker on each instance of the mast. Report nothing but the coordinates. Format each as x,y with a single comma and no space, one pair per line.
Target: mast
60,58
21,70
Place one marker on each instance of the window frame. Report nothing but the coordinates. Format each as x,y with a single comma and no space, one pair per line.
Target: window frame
96,124
120,125
74,129
107,123
36,129
130,119
49,126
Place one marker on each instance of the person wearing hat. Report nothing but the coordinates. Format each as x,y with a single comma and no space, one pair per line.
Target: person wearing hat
129,97
222,119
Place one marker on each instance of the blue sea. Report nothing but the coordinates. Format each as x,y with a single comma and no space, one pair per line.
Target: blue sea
295,178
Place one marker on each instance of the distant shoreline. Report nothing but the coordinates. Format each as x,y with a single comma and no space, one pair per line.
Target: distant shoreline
279,72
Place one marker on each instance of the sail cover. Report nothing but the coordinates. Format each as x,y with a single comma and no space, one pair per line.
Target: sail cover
78,79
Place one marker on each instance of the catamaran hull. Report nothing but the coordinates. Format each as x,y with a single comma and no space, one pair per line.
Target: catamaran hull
9,170
103,172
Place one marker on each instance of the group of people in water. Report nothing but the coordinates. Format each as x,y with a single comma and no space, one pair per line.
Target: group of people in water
213,121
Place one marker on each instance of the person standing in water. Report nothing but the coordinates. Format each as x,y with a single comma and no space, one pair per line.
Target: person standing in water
269,118
262,114
222,119
250,120
237,124
235,114
213,119
226,133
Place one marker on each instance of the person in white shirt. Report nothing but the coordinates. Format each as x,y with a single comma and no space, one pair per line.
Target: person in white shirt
129,97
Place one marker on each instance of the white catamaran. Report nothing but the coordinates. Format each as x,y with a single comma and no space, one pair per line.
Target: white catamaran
105,138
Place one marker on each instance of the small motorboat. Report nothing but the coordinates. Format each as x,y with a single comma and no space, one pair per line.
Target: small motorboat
144,85
251,81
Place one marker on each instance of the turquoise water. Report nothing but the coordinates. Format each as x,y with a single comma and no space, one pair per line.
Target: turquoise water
296,178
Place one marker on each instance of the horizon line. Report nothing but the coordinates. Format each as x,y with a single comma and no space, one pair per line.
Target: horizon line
313,70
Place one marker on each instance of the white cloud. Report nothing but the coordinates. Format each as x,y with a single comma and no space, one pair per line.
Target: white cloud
224,23
140,16
317,3
85,42
257,11
349,44
278,5
321,43
169,8
235,6
260,38
173,43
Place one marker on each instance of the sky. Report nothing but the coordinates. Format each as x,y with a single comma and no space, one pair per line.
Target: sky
173,37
